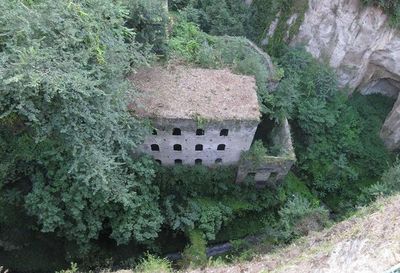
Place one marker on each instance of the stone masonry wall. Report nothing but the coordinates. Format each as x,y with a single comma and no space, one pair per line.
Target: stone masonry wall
200,142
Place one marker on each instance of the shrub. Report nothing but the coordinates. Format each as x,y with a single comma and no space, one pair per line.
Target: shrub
194,255
225,17
149,20
151,264
72,269
299,217
387,185
187,40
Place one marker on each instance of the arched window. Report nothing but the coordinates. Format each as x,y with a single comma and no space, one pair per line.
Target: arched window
177,147
198,147
199,132
224,132
218,161
221,147
155,147
178,161
198,161
154,132
158,161
176,132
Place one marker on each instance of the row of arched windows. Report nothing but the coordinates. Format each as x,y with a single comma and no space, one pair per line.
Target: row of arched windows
197,161
178,147
199,132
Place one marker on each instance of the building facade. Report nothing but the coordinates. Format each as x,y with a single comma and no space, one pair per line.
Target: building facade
200,116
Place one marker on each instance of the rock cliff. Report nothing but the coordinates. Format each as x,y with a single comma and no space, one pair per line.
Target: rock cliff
360,45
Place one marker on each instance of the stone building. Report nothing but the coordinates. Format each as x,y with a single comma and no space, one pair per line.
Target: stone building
207,117
200,116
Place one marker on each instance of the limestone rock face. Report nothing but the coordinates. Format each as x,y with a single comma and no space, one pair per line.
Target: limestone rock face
354,40
360,45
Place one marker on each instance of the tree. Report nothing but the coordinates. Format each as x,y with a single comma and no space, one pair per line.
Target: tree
65,131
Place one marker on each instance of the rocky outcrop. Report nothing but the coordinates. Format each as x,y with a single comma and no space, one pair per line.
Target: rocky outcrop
363,49
360,45
354,40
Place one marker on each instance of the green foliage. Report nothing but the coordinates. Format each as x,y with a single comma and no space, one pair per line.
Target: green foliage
387,185
66,133
72,269
294,186
336,140
194,255
149,20
189,43
151,264
208,199
391,7
255,154
187,40
299,216
267,11
225,17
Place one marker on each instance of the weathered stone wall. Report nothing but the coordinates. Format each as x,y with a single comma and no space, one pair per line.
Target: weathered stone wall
239,137
271,169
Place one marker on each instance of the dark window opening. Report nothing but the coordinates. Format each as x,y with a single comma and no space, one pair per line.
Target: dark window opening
221,147
155,147
154,132
218,160
177,147
199,147
224,132
199,132
198,161
178,161
158,161
176,132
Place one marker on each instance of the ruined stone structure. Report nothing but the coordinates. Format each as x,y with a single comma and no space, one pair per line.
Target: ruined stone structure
269,170
200,116
205,117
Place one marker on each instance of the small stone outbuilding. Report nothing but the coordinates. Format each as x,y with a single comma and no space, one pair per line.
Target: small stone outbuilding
200,116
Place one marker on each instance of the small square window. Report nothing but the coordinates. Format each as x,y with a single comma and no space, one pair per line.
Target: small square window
221,147
154,133
178,161
224,132
199,132
176,132
155,147
198,161
199,147
177,147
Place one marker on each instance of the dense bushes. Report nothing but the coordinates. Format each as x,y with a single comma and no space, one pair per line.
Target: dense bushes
66,133
337,140
207,199
298,217
149,20
225,17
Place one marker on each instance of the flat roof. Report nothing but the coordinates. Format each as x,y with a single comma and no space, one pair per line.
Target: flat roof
182,92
